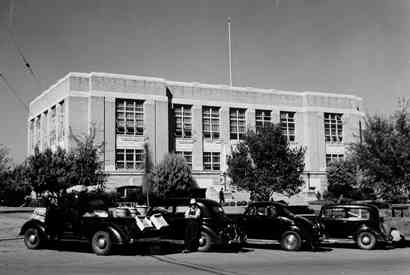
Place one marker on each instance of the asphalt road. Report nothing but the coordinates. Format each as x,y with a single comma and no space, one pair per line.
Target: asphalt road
69,258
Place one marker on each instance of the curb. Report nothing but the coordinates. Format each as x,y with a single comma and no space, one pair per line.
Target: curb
16,210
10,239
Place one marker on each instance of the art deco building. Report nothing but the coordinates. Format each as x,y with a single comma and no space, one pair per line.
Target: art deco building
199,121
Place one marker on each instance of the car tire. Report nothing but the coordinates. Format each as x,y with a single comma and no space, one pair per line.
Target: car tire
291,241
101,243
205,242
33,238
366,240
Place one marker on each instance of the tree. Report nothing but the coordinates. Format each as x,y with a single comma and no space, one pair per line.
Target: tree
264,162
345,181
55,171
383,156
4,159
171,177
86,167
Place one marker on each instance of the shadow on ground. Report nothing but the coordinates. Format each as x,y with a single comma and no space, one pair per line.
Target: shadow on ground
276,246
139,249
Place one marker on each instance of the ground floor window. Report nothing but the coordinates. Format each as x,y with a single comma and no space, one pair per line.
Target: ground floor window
187,156
333,157
212,161
129,159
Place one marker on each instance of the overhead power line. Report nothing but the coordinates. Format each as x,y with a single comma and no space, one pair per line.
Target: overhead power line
14,92
13,41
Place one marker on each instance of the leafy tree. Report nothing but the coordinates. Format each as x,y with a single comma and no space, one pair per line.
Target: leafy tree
171,177
4,159
14,186
265,162
383,156
86,167
55,171
345,181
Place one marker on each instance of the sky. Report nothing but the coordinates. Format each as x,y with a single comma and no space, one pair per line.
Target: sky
359,47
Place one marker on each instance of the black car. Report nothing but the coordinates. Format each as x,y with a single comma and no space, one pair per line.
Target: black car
217,229
274,221
360,223
83,219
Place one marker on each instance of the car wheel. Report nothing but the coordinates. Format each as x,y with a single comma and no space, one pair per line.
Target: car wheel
101,243
291,241
33,238
366,240
205,242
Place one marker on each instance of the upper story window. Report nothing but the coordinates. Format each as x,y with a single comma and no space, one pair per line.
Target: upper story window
333,127
32,135
210,122
187,156
333,157
129,115
237,123
129,159
212,161
262,118
52,127
61,122
37,132
183,121
44,130
287,123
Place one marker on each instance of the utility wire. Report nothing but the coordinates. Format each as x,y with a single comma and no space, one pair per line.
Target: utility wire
13,91
13,40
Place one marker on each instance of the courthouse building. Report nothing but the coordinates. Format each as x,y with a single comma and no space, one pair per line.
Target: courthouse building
201,122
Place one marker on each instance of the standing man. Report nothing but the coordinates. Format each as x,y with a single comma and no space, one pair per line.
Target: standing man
221,196
193,227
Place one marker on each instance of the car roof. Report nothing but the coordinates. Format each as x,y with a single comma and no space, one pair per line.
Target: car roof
351,205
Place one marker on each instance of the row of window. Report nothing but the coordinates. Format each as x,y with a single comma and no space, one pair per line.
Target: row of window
133,159
48,128
130,121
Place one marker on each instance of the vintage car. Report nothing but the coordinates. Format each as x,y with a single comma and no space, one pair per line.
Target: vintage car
360,223
216,229
397,217
274,221
90,220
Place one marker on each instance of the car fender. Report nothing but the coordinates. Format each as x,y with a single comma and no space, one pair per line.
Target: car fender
33,223
211,232
362,228
116,235
304,235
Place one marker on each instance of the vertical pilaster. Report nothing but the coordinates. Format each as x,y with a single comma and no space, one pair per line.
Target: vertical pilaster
149,128
197,136
275,116
250,120
225,136
110,134
161,129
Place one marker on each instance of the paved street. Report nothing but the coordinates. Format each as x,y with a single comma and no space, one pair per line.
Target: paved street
77,259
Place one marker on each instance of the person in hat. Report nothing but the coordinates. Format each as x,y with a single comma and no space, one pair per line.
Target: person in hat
193,227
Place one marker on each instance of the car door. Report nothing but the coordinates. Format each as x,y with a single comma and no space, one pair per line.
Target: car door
334,220
253,222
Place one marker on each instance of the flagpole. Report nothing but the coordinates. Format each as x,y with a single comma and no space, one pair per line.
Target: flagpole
229,51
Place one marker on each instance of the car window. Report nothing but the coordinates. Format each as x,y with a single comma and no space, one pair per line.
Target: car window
181,209
335,213
358,214
256,211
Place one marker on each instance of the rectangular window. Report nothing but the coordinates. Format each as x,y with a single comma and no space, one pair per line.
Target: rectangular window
210,122
187,156
37,131
32,135
237,123
61,122
44,131
333,157
183,121
262,118
129,159
333,128
287,123
52,127
129,115
212,161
